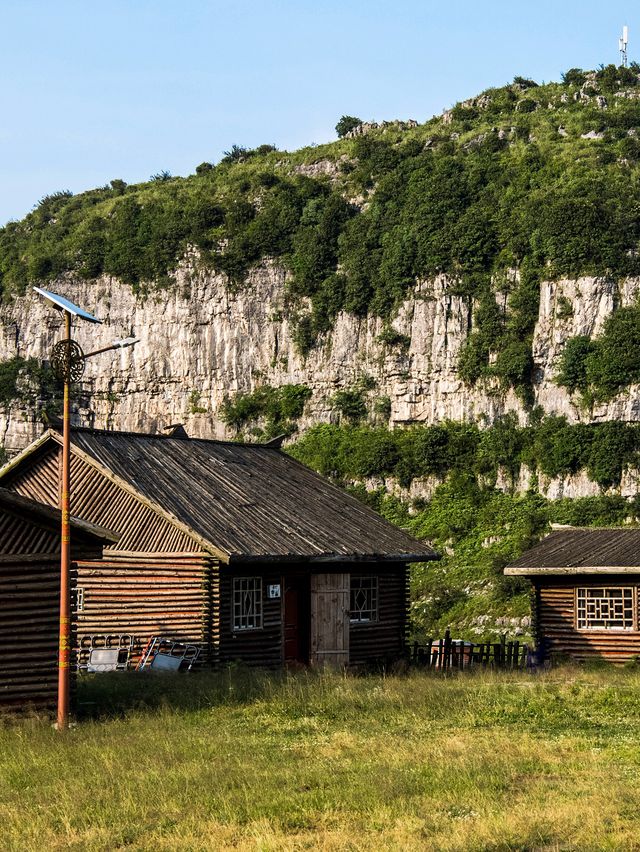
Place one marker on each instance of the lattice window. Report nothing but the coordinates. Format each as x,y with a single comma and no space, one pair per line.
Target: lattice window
247,603
605,608
364,599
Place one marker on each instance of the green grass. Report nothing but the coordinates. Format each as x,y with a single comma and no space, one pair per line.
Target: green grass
243,760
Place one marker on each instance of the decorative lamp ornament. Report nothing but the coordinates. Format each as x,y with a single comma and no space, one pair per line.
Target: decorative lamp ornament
67,361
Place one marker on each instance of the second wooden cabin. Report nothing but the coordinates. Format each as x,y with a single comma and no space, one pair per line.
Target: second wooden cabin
235,547
585,592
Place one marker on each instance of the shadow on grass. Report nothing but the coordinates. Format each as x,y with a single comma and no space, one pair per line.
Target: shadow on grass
115,694
118,694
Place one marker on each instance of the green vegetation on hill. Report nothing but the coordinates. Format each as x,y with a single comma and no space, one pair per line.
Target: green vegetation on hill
522,182
600,368
477,527
552,447
478,530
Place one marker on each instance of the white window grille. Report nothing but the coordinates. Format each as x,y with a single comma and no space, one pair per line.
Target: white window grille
247,603
79,599
364,599
605,608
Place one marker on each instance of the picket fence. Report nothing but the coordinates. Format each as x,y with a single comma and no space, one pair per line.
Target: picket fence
448,653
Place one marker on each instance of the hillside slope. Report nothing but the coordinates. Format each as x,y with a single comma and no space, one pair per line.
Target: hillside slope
482,268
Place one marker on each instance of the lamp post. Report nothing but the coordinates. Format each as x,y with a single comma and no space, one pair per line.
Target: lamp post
68,363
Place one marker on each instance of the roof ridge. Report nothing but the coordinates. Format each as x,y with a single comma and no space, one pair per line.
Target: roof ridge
88,430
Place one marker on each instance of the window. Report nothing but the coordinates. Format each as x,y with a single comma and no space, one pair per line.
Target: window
247,603
605,609
79,599
364,599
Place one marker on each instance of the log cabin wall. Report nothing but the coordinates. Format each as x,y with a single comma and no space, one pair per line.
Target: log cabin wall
384,639
175,595
380,640
29,629
30,612
555,619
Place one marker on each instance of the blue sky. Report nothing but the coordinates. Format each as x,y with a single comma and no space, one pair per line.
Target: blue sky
125,88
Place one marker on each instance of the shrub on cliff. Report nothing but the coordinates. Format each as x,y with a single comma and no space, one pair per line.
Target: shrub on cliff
602,367
276,408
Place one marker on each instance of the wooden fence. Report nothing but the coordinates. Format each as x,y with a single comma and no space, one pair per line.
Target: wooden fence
449,653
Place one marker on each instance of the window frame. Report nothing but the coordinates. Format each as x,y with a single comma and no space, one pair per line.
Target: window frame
237,616
602,589
374,609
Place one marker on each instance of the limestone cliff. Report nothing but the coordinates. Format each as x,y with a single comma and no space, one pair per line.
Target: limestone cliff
201,341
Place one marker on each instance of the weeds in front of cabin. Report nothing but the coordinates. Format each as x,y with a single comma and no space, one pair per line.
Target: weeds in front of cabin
250,760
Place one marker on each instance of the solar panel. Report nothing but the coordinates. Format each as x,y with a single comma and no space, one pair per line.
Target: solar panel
66,305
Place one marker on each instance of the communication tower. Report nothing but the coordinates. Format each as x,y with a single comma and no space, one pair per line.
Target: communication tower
622,45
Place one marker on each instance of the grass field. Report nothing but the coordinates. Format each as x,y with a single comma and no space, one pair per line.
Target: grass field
243,760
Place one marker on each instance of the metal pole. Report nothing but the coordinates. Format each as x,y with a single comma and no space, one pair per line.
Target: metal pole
65,554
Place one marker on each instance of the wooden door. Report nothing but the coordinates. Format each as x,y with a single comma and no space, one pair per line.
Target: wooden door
330,602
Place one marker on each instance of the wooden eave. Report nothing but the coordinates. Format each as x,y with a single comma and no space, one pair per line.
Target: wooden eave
333,558
571,571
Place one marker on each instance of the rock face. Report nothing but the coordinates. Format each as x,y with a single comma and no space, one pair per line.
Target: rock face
201,341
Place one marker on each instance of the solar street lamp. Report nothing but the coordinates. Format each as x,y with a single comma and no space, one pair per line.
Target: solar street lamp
68,363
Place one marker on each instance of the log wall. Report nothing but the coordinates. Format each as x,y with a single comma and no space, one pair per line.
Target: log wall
555,620
29,627
381,640
173,595
385,638
30,611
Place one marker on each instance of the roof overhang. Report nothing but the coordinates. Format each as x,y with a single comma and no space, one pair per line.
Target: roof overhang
16,504
514,571
334,558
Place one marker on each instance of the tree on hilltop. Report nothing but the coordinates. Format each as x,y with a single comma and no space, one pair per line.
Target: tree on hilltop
347,123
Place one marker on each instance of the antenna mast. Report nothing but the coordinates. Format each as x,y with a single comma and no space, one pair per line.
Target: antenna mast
622,45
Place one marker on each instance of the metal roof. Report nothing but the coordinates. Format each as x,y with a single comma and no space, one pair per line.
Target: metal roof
248,501
581,551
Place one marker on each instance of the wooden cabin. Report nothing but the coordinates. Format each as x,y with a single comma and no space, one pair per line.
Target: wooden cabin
235,547
586,584
30,596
